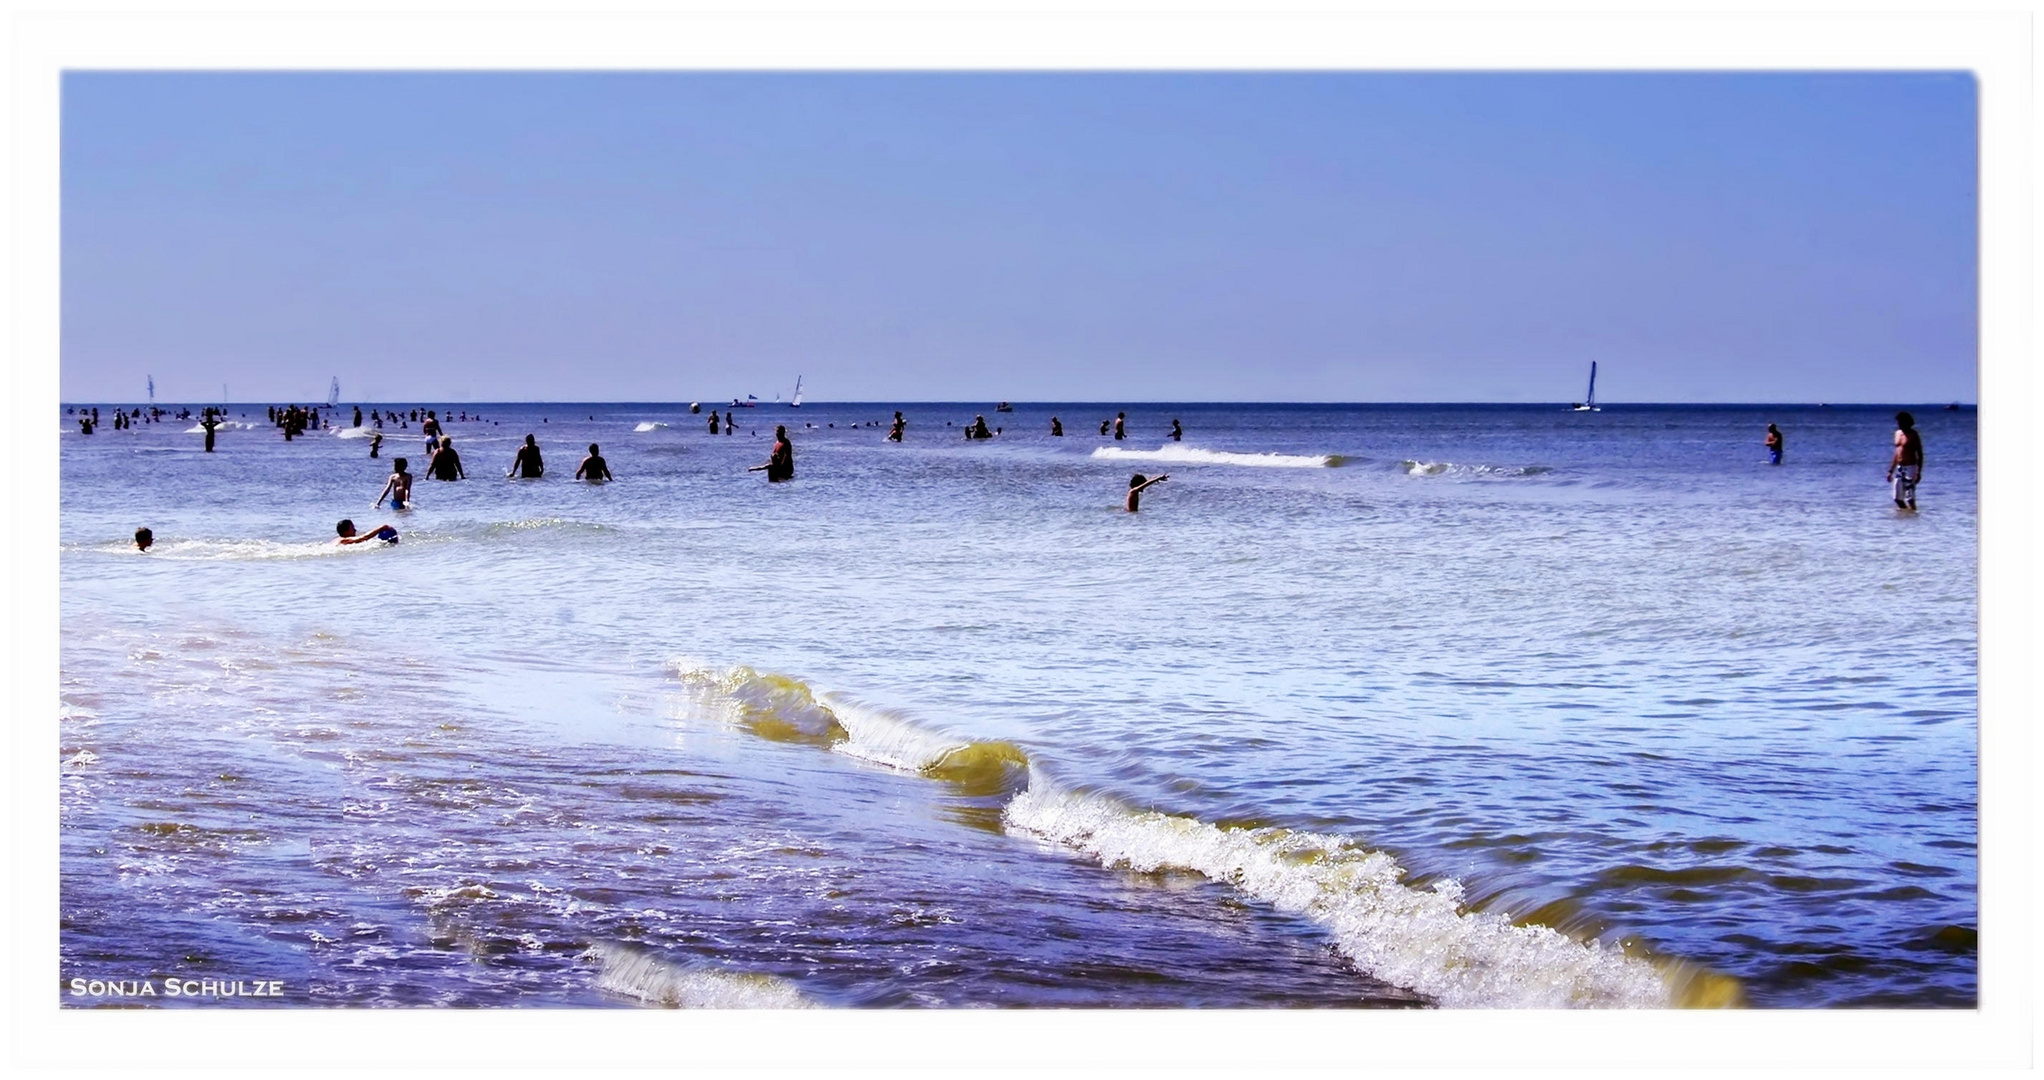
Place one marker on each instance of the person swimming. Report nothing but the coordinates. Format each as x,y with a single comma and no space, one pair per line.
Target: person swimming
1136,486
593,468
346,527
144,538
398,487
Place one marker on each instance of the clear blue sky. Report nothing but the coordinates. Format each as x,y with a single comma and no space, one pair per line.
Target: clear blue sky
925,236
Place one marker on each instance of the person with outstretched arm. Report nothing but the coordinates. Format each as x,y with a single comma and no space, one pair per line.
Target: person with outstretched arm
1136,486
593,468
781,465
346,528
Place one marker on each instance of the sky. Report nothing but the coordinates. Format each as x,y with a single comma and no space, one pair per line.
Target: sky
1332,236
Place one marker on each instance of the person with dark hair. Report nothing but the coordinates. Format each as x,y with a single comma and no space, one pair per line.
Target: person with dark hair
1906,467
1120,426
978,430
713,423
346,528
1774,445
593,468
1057,427
398,487
1136,486
209,423
894,433
1177,433
376,444
781,465
527,464
144,538
729,427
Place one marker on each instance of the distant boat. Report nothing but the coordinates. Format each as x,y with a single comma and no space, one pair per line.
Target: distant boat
797,402
152,389
1953,407
750,402
1004,407
333,393
1589,402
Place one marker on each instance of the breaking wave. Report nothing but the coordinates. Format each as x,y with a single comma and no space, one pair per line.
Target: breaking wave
638,974
649,425
1174,453
224,425
1421,939
1451,469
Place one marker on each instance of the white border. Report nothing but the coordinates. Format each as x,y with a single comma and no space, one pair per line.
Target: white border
1997,45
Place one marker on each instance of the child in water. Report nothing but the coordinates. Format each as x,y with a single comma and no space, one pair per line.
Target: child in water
398,487
1136,484
346,528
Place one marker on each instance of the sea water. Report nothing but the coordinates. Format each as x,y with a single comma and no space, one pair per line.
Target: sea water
1367,706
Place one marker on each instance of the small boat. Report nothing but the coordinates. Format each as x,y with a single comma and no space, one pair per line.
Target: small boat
333,393
797,402
1589,402
1004,407
750,402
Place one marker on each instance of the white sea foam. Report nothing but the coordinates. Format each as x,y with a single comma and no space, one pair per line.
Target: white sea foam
224,425
638,974
1451,469
1419,939
649,425
354,432
238,550
1179,454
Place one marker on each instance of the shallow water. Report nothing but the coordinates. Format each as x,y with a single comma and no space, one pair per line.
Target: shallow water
1390,705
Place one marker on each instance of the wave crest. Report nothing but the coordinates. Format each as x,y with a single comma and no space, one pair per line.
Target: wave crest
1449,468
1176,453
635,973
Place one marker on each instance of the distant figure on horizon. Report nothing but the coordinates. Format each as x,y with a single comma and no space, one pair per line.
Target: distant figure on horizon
144,538
593,468
781,465
1057,427
1120,426
1136,484
446,464
346,527
398,487
894,433
1906,467
527,464
1774,445
1177,433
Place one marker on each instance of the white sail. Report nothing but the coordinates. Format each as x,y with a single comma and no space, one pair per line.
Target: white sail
333,393
152,389
1589,402
797,402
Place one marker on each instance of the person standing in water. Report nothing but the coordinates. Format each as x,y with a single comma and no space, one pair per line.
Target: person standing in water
209,423
713,423
1120,426
978,430
593,468
1906,467
527,464
781,465
729,427
1177,433
1057,427
1774,445
398,487
900,425
358,416
376,445
445,463
1136,484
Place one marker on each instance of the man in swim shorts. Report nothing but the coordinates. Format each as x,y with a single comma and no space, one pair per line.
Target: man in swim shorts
1906,467
446,464
398,487
346,527
1774,445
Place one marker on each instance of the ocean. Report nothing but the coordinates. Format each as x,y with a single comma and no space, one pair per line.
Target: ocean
1369,706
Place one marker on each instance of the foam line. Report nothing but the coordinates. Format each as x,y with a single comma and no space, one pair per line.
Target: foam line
1178,454
635,973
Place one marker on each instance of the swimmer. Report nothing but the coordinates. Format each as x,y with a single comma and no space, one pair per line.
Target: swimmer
978,430
445,463
527,464
398,487
1177,433
144,538
1057,427
346,528
1104,424
1136,484
593,468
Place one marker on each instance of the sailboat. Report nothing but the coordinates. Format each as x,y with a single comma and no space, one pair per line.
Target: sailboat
333,393
152,391
1589,402
797,402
